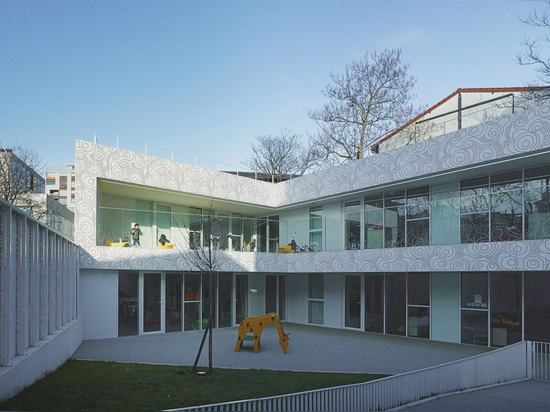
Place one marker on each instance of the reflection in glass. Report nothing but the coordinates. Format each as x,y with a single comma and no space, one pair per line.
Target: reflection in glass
352,213
374,223
316,295
394,220
419,289
192,301
191,321
206,296
353,301
225,285
474,327
173,302
127,303
537,203
537,307
270,293
374,303
506,211
419,322
151,302
395,303
505,308
241,296
474,290
282,297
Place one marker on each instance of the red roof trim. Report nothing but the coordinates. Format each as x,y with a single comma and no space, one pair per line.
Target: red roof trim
466,90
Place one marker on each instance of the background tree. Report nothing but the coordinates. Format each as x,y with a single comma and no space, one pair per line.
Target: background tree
371,98
281,154
18,182
533,54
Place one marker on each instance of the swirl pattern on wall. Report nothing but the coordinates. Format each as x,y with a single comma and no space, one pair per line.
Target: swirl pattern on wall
525,255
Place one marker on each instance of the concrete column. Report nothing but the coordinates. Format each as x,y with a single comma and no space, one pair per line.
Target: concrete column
7,284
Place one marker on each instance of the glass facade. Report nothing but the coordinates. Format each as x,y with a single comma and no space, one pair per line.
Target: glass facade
316,298
316,228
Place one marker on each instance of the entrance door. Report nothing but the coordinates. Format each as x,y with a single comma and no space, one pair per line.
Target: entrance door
152,307
275,295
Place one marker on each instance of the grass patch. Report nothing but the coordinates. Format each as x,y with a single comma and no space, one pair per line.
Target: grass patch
111,386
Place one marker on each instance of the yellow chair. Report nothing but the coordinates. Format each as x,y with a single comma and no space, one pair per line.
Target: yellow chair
166,246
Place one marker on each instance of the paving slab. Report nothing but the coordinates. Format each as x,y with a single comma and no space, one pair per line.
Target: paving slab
311,348
529,396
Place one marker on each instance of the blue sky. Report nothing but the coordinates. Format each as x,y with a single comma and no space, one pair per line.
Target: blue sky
205,77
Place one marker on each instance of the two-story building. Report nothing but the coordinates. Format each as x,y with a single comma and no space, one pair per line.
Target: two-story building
445,239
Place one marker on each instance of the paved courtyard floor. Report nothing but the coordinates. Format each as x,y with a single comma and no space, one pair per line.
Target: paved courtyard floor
311,348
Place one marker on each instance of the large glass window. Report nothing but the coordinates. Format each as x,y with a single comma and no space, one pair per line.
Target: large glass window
195,228
316,298
505,308
353,301
537,306
192,301
374,222
374,303
394,219
127,303
474,313
273,233
418,217
241,297
316,228
506,207
474,210
173,299
396,305
236,232
352,216
537,203
419,305
225,288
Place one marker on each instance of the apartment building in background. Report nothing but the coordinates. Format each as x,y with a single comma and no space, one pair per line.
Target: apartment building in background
60,184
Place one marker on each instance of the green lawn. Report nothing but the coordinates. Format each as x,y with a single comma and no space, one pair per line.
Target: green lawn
110,386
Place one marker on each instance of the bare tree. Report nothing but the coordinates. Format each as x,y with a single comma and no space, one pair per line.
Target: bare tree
206,258
371,98
19,178
281,154
533,54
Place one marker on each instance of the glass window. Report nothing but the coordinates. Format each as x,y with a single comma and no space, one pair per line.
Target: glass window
316,218
127,303
374,303
173,302
537,306
236,232
206,296
474,327
396,303
352,216
505,308
474,209
474,290
374,222
506,207
225,286
419,322
352,301
419,289
273,233
394,219
316,228
537,203
316,296
192,301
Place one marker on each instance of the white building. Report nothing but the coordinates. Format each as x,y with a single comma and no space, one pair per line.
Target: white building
60,184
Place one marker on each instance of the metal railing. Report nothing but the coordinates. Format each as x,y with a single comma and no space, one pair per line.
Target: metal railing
539,360
38,282
502,365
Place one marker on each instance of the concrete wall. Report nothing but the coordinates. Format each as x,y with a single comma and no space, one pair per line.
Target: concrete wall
99,303
40,360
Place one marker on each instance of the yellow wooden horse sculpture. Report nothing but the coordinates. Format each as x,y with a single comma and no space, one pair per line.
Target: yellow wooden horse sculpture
255,325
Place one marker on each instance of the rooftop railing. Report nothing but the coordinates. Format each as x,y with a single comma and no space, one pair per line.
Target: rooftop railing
170,154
